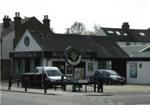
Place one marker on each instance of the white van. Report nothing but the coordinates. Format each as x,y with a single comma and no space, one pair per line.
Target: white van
53,73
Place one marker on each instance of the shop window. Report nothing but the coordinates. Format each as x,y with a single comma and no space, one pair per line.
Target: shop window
60,65
102,65
69,70
27,65
19,69
133,70
90,67
37,62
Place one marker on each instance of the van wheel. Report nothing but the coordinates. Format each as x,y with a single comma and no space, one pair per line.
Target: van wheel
122,83
109,82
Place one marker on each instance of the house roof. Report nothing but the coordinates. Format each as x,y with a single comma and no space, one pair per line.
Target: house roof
128,35
102,45
141,51
30,23
5,31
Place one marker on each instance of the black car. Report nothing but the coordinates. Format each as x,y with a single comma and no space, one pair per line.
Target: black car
108,77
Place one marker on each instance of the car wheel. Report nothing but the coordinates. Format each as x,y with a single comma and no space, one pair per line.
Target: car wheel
122,83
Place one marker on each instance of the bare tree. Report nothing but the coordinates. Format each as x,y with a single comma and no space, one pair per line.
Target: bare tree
76,28
97,28
80,28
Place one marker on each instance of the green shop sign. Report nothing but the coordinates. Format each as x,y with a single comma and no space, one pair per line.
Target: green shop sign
72,56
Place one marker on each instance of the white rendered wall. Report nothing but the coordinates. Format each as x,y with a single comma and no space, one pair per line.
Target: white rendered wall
33,45
143,73
95,67
7,45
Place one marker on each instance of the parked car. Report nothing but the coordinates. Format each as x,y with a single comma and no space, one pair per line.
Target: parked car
52,73
108,77
34,79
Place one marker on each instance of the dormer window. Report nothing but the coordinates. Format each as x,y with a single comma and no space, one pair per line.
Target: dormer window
125,34
110,32
142,34
118,33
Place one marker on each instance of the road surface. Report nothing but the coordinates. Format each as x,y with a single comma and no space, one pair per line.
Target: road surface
18,98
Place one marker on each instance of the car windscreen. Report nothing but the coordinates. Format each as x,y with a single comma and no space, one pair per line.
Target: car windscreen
112,72
53,73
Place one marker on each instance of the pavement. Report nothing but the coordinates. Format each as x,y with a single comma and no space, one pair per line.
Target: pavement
108,90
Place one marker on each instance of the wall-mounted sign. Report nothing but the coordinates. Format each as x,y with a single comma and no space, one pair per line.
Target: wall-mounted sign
72,56
25,54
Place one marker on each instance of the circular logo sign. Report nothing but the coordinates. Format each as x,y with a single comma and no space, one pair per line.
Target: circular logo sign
72,56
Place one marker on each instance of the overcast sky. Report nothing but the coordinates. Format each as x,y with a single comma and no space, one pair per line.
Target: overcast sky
63,13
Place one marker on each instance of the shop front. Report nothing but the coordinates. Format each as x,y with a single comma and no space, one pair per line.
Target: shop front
24,62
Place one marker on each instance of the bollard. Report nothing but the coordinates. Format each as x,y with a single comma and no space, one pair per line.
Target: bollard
63,85
45,86
94,87
25,84
10,83
55,87
98,88
62,81
18,82
101,85
73,88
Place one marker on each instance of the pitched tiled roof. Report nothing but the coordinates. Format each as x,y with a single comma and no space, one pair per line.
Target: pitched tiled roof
128,35
30,23
137,51
5,31
102,45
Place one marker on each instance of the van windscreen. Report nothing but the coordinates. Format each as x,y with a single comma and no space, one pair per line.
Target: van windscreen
53,73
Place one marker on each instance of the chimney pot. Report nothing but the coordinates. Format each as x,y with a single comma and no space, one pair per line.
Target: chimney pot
125,25
46,21
6,21
17,22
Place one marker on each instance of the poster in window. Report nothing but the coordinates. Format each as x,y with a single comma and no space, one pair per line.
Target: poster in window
90,67
78,73
133,70
69,69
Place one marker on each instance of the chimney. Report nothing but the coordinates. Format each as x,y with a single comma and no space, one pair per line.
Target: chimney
125,26
6,21
46,22
17,24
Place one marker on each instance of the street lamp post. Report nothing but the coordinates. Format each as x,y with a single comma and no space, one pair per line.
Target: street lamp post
1,49
42,59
